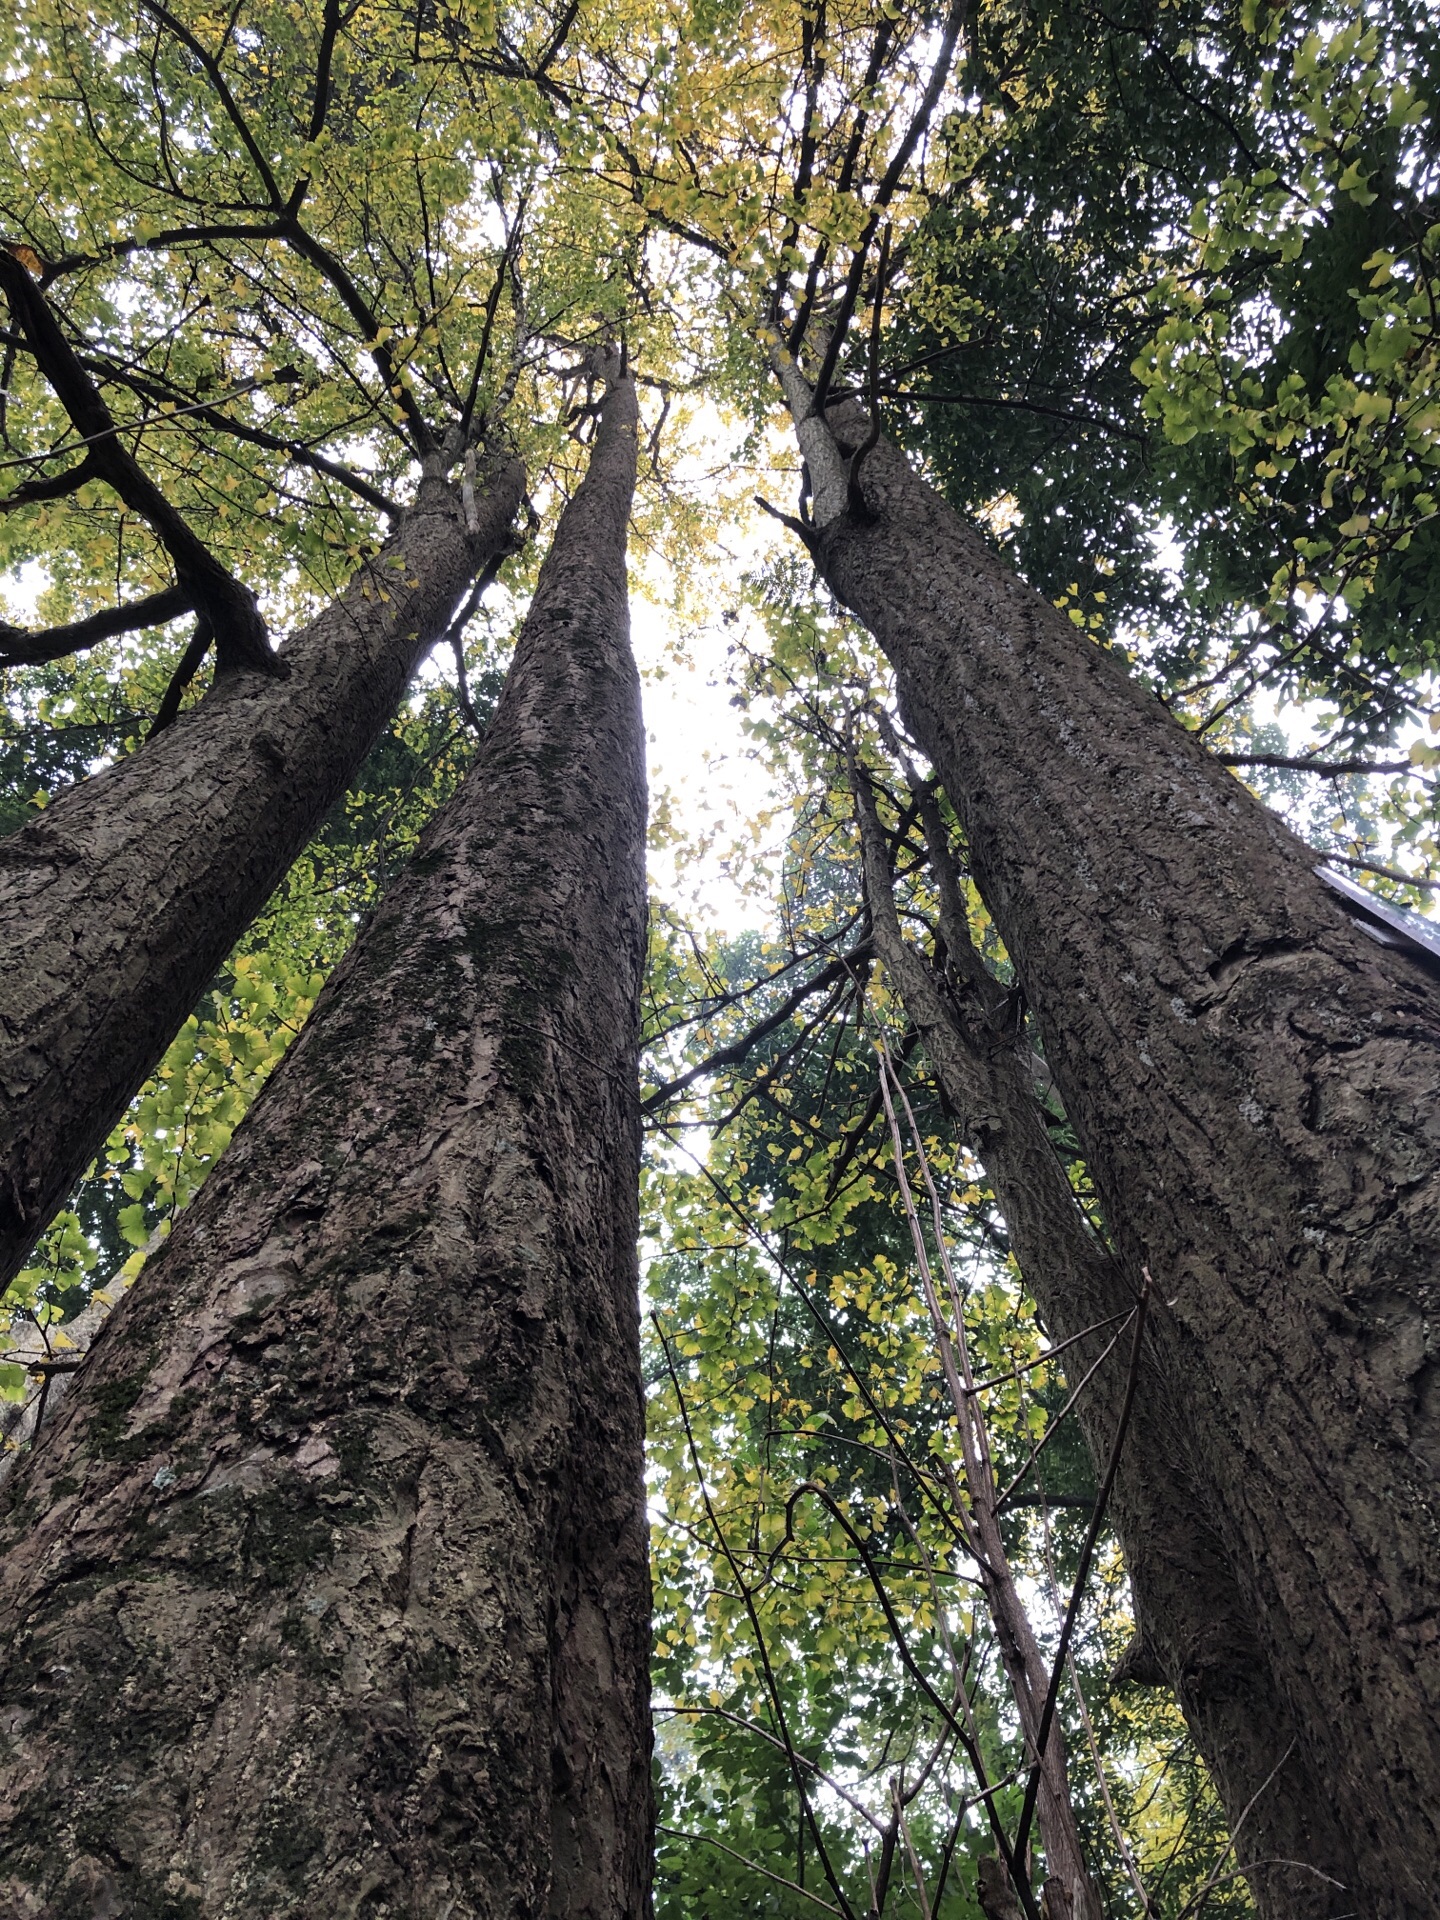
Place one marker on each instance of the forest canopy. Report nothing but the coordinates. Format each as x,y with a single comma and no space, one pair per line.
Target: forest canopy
1146,290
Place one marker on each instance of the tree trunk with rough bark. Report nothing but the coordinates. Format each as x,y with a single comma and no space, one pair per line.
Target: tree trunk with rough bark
327,1592
1177,1572
120,900
1253,1081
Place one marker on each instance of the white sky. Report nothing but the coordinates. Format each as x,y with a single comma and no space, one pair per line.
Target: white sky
699,754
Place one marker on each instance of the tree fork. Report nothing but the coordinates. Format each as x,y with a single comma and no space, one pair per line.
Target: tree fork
1252,1081
120,900
241,638
328,1586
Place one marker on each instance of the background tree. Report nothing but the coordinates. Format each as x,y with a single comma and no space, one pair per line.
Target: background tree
329,1583
1082,230
798,1350
246,315
986,672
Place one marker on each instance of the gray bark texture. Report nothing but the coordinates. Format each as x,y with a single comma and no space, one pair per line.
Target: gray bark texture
326,1593
1253,1081
121,899
1176,1568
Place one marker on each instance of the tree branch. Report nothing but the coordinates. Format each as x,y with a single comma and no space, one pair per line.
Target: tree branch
190,662
242,639
55,487
21,649
556,41
207,412
675,1833
1385,873
1328,769
211,68
365,317
771,1685
894,173
731,1055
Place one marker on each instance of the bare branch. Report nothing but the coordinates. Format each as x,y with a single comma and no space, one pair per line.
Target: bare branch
735,1052
1102,1500
771,1684
21,649
241,634
1071,414
1385,873
1328,769
705,1839
207,413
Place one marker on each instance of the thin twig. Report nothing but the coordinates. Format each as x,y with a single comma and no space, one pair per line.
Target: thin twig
1053,1425
1051,1353
677,1833
1097,1762
763,1733
1112,1466
734,1053
747,1598
1217,1878
1385,873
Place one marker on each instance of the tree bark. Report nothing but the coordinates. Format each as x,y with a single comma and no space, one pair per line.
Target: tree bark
1205,1636
120,900
1252,1079
327,1590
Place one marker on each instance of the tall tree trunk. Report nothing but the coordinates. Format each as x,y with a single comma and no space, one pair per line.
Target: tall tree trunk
1252,1079
327,1592
1071,1893
118,902
1178,1575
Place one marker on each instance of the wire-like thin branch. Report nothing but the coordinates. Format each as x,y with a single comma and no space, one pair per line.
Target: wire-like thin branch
706,1840
1052,1427
736,1051
771,1684
1102,1501
1069,414
763,1733
1013,1855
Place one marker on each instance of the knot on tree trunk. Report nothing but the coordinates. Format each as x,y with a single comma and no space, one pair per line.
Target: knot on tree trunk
1138,1666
